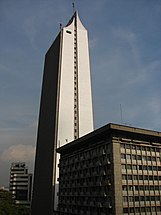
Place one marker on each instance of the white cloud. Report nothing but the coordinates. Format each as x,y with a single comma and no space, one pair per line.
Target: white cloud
92,42
124,33
130,41
18,153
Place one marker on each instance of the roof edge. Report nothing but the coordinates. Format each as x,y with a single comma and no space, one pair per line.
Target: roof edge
114,127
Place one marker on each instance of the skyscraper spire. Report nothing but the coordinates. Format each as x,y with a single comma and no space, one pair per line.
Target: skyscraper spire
73,5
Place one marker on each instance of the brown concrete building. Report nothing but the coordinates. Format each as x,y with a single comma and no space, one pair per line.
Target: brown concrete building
114,170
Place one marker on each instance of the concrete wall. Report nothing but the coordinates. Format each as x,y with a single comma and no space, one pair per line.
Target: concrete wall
117,177
42,201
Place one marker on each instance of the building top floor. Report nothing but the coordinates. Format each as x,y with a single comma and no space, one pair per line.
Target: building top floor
110,132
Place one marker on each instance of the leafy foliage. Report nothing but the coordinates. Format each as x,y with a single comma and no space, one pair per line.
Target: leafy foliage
8,207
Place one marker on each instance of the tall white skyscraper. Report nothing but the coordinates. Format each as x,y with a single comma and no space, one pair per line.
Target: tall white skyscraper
66,111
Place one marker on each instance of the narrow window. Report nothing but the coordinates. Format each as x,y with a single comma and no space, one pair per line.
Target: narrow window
69,32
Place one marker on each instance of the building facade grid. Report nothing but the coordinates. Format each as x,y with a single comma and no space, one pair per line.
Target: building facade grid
113,170
85,181
20,183
141,177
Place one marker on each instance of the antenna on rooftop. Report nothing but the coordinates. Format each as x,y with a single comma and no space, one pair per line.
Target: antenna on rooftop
121,113
60,26
73,5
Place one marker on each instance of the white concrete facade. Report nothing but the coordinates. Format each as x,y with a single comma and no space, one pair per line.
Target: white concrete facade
66,99
75,117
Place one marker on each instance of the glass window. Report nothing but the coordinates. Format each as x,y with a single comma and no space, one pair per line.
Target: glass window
136,187
137,210
157,198
145,177
147,198
140,177
148,158
130,187
139,157
125,210
124,177
69,32
155,168
138,147
152,198
129,177
152,149
135,177
131,198
158,208
131,210
133,147
148,209
125,199
128,146
156,187
157,149
149,168
123,156
145,167
136,198
128,156
140,167
133,157
153,158
124,188
143,148
128,166
153,209
142,209
144,158
141,198
123,166
155,177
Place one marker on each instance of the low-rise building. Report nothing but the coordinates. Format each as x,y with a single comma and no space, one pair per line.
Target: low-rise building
114,170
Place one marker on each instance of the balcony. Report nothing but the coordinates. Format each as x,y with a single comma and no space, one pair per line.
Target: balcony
92,203
99,204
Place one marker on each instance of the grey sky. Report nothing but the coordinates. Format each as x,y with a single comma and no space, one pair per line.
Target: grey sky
125,50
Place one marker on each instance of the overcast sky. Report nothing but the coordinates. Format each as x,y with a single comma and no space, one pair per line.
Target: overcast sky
125,51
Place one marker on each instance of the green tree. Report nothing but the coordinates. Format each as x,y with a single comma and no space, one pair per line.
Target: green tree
8,206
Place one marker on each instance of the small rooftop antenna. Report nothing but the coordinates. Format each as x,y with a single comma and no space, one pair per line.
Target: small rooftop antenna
121,113
73,5
60,26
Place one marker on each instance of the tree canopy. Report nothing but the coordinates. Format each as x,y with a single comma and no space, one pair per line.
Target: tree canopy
8,206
